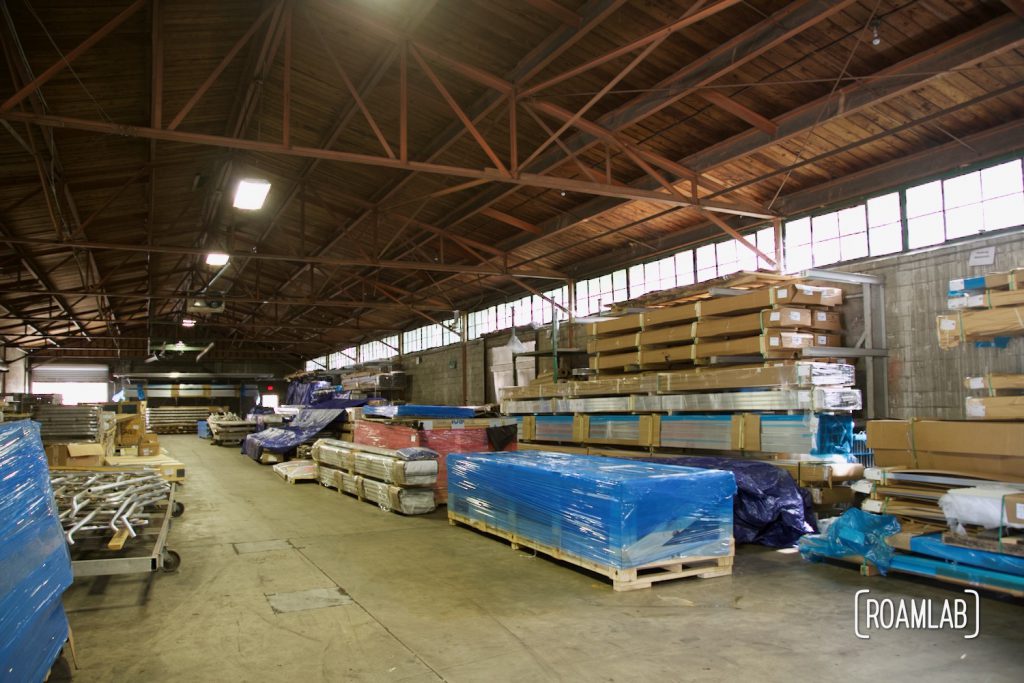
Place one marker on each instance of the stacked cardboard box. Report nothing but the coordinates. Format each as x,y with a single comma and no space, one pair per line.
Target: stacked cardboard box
774,322
982,309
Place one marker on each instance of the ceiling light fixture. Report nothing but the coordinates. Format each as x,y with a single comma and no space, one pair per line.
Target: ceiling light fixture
188,322
876,39
217,259
251,194
152,359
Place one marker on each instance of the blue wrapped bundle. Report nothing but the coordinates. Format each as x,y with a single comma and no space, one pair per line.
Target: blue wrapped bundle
414,410
35,568
615,513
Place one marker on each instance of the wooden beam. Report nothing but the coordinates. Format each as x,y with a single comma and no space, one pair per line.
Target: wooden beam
726,103
511,220
553,9
219,69
459,113
66,60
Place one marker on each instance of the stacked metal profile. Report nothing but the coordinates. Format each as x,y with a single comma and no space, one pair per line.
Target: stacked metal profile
396,480
177,419
227,429
67,424
102,503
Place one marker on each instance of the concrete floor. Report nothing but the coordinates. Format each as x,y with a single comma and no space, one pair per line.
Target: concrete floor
428,601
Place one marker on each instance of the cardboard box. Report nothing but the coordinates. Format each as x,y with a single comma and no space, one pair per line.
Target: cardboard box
613,344
671,316
994,382
626,323
614,361
677,334
596,429
749,431
1013,279
56,454
996,408
1014,509
674,354
955,328
793,294
83,454
753,323
889,435
765,344
827,321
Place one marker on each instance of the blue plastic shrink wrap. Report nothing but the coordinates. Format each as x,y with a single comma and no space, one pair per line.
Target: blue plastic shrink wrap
415,410
616,513
35,568
854,533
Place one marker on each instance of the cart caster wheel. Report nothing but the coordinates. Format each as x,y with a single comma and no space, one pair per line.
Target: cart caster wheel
172,560
178,510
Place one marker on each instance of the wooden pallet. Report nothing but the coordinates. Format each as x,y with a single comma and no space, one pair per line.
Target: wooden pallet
704,567
868,569
1011,545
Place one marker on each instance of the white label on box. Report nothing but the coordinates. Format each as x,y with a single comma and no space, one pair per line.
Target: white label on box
794,315
1020,511
773,341
976,382
956,303
956,285
782,293
975,408
428,424
803,397
822,340
947,324
821,315
458,424
774,315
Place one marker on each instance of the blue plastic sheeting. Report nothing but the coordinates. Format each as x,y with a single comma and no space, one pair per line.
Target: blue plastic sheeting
413,410
308,423
854,533
975,576
769,507
932,545
824,434
35,568
302,393
617,513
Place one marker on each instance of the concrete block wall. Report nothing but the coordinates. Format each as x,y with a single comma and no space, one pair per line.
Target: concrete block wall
924,380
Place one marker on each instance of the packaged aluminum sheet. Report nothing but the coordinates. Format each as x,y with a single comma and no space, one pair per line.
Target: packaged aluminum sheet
610,512
543,405
169,419
404,467
714,432
64,424
619,429
408,501
616,404
553,428
822,399
809,433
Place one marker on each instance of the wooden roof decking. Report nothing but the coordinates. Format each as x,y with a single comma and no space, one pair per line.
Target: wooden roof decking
132,153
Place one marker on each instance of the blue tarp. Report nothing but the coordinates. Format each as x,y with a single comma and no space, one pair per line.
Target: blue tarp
854,533
770,508
301,393
35,568
305,426
413,410
617,513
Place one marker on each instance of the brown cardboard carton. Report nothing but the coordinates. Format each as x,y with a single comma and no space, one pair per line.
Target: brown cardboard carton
996,408
955,328
677,334
671,315
753,323
674,354
56,454
616,360
612,344
957,436
798,294
626,323
888,435
85,454
765,344
827,321
751,431
1014,509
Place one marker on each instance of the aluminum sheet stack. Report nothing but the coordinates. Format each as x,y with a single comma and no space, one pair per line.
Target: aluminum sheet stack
177,419
67,424
397,480
228,428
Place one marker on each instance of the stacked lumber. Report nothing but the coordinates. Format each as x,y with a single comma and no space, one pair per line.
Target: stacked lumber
775,322
399,480
983,309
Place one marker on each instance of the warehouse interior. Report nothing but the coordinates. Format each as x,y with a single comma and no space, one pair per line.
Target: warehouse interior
675,338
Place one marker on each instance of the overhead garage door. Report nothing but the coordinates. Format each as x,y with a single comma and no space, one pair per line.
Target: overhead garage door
75,383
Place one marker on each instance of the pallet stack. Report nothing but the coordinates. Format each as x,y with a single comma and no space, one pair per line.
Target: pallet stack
443,436
955,484
399,480
794,413
776,322
178,419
